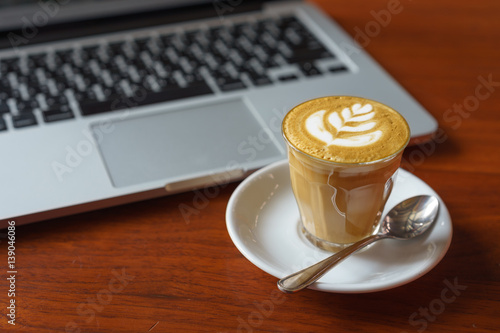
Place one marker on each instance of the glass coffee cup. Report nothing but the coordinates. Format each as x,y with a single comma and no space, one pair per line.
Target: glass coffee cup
344,153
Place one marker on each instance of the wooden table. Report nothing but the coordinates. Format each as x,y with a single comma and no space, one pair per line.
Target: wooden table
142,268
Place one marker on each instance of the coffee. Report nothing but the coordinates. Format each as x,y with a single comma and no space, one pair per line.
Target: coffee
343,155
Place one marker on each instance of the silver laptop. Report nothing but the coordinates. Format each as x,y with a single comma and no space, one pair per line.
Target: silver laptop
113,101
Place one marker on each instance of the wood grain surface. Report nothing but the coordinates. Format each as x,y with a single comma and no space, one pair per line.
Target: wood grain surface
142,267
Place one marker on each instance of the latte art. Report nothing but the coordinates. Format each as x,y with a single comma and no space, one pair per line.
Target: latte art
355,119
346,129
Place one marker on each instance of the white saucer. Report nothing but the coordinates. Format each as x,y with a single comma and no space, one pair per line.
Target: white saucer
263,221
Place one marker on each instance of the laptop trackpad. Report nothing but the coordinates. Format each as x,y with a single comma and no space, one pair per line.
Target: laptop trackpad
182,144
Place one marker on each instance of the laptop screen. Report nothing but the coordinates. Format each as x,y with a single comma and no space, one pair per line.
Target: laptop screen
15,14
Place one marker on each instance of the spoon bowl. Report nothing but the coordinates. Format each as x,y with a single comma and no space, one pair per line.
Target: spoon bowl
411,217
408,219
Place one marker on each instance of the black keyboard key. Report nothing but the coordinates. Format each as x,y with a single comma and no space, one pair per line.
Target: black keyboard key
305,54
271,62
229,84
56,102
64,56
24,120
26,106
289,20
166,39
3,68
174,40
90,52
223,33
248,30
10,64
113,50
338,69
116,46
232,85
4,108
259,79
90,107
165,95
193,37
309,69
288,77
57,113
170,94
142,43
37,60
3,125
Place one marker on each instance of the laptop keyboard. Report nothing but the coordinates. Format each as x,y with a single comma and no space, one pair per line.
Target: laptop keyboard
94,79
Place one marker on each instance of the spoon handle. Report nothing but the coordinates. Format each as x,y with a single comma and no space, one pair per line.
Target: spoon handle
303,278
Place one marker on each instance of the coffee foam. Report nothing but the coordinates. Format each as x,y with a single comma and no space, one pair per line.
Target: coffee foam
346,129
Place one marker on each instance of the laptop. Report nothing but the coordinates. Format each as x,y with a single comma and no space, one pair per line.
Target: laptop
113,101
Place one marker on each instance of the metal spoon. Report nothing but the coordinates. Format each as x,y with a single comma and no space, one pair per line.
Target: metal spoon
410,218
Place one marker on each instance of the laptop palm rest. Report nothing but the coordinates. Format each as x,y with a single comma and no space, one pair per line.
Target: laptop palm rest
183,144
